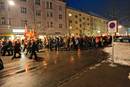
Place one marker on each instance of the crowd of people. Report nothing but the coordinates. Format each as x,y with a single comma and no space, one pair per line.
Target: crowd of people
15,47
74,43
31,46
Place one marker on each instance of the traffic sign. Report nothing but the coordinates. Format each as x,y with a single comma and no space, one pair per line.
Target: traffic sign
112,26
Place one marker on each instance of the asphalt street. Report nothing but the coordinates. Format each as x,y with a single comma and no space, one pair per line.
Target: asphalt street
87,68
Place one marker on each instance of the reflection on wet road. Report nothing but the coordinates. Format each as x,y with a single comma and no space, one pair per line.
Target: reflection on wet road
51,70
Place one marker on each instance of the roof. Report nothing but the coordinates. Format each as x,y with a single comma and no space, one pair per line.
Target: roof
88,12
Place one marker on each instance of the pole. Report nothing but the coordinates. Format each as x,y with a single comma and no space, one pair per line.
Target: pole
112,48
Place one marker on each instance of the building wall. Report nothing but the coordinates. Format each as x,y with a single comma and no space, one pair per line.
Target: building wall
52,23
99,25
78,23
41,23
81,23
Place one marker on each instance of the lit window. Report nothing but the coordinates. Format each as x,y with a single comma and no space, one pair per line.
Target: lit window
70,14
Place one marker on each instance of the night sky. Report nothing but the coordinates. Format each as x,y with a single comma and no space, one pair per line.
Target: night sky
119,9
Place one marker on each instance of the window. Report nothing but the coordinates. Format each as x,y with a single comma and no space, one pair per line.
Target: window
23,10
80,25
50,5
88,19
76,16
37,2
70,21
23,22
51,24
76,22
48,24
49,14
23,0
3,21
47,5
38,13
60,25
60,16
38,24
2,5
80,20
84,18
60,8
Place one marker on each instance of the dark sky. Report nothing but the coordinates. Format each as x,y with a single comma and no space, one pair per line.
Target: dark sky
119,9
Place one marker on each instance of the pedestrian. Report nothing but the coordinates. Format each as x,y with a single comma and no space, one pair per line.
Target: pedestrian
28,47
17,49
33,50
10,48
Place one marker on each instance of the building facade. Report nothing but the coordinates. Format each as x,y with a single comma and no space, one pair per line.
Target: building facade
42,16
82,23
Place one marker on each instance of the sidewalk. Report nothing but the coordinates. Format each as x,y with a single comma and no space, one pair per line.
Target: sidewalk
101,75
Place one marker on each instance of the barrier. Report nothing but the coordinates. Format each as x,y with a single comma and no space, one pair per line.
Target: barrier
122,52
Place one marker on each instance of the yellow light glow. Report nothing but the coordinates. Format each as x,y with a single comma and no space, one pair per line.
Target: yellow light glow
70,27
120,26
70,14
18,30
11,2
98,31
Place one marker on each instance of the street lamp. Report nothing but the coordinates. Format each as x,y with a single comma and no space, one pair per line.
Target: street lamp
11,3
98,31
120,26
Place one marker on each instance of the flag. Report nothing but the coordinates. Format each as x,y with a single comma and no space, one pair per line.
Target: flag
112,26
26,30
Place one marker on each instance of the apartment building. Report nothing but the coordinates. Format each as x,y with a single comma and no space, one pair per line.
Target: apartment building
46,17
83,23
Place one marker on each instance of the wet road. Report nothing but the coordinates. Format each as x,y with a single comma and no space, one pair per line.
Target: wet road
52,70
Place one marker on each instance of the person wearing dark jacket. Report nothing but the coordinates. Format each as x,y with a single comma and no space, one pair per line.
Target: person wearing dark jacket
17,49
4,48
33,50
10,48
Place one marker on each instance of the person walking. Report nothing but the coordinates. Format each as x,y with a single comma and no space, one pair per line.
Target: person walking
17,49
33,50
